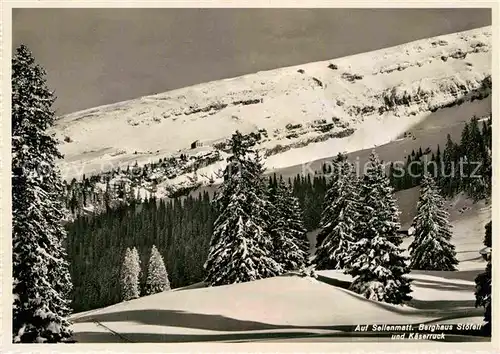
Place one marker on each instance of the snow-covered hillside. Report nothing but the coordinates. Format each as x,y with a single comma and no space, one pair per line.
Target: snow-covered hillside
287,306
294,308
344,104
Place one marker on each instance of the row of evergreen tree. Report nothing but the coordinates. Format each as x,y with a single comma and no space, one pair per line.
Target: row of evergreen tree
342,207
157,276
309,190
258,235
96,245
465,166
259,231
359,232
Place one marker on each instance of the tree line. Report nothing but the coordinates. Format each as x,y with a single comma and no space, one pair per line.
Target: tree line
97,244
464,166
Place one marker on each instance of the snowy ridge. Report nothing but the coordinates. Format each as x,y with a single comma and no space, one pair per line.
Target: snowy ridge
344,104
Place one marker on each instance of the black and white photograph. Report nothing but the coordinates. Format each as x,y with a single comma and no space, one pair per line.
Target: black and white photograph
249,175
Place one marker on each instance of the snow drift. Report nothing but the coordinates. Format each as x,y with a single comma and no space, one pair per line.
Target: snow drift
272,308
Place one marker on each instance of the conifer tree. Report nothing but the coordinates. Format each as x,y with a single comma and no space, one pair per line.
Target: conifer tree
375,260
431,249
291,246
483,285
466,142
487,133
42,282
338,221
241,247
438,154
393,179
157,280
130,275
479,155
449,174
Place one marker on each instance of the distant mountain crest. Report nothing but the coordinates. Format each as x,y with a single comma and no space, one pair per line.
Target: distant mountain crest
343,104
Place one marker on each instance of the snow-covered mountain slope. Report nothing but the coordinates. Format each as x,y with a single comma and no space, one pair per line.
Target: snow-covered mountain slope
356,102
430,132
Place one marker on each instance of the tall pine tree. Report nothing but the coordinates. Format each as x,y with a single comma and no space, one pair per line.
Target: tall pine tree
40,271
130,275
157,280
466,145
241,247
479,154
375,261
483,285
338,221
291,246
449,171
431,248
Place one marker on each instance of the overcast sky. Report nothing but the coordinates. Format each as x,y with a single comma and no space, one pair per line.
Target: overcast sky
101,56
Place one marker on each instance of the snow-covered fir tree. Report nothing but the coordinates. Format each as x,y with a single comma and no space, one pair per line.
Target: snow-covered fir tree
375,261
431,248
241,247
476,179
130,275
157,280
291,246
448,172
41,277
338,220
483,285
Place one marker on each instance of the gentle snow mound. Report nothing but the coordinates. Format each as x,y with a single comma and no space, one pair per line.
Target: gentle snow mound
270,307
